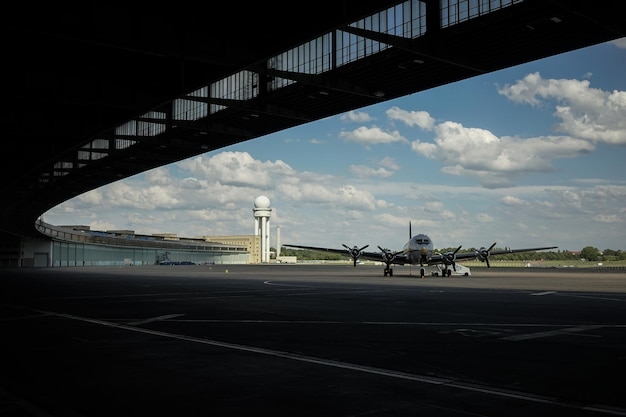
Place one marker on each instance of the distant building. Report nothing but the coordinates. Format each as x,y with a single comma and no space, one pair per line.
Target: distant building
80,246
252,243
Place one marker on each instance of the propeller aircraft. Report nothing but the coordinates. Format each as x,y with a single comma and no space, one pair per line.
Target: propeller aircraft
419,250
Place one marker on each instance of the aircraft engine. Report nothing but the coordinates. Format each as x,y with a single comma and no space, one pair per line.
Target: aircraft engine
449,258
483,254
387,255
354,252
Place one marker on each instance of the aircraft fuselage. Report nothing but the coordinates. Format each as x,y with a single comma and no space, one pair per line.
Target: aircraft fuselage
419,249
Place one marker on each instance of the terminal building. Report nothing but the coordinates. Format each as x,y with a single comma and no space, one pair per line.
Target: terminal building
78,245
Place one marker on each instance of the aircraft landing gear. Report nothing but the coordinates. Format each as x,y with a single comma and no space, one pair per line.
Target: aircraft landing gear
388,272
422,272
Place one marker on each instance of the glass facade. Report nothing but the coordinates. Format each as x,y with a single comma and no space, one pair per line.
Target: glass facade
79,246
65,253
457,11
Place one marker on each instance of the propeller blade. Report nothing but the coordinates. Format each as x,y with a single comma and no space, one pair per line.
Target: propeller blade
387,255
354,251
449,258
488,253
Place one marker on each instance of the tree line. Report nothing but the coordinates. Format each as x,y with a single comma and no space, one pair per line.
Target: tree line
588,253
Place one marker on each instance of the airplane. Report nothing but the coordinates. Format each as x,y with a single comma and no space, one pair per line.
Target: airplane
419,250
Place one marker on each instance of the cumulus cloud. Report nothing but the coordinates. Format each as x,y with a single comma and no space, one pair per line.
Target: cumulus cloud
384,168
586,116
158,176
121,194
356,116
544,205
437,208
93,197
620,43
484,218
588,113
495,161
236,168
389,163
334,210
368,171
434,206
569,199
510,200
421,119
372,136
190,184
601,194
331,195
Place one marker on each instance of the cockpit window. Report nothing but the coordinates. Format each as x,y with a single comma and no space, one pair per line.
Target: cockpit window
422,241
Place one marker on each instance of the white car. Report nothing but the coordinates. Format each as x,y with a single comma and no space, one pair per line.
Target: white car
461,270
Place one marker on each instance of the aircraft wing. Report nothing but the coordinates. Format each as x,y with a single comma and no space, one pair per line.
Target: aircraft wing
331,250
437,259
483,254
370,256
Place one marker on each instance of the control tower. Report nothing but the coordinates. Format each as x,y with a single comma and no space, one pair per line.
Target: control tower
262,212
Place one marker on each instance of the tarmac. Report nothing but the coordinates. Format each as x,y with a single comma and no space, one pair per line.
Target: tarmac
311,340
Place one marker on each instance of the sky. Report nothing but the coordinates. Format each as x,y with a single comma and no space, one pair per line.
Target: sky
529,156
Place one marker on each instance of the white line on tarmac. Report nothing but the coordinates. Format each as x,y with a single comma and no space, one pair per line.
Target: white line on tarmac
556,332
591,297
355,367
150,320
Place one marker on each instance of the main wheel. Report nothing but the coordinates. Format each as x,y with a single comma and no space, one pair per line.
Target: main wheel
422,272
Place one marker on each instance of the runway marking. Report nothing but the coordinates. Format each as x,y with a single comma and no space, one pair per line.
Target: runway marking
379,323
150,320
286,285
354,367
544,293
592,297
557,332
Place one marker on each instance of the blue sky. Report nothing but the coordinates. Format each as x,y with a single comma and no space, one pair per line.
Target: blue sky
534,155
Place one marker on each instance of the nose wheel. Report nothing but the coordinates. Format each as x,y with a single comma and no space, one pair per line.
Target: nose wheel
388,272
